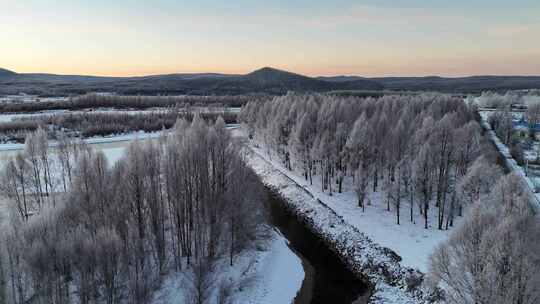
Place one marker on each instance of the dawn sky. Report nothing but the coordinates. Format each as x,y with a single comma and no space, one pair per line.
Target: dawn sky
313,37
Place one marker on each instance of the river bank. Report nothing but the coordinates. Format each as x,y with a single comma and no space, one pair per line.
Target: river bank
327,279
376,266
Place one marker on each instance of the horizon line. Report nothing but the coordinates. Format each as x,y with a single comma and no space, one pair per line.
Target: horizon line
230,73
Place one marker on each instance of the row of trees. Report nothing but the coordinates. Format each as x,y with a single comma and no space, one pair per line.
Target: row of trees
517,130
89,232
494,256
416,149
515,99
105,123
93,100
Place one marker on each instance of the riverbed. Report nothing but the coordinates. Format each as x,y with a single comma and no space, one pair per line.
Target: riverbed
327,279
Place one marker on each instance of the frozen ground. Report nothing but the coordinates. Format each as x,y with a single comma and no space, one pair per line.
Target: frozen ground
258,277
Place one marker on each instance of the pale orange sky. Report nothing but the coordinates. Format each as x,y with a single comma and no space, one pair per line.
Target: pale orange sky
367,38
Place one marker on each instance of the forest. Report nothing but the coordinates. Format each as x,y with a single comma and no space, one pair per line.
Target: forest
81,230
426,154
414,148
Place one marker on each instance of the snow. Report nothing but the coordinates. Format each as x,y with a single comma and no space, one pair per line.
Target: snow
273,275
113,154
409,240
278,276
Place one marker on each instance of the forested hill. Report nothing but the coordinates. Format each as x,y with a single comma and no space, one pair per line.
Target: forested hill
266,80
471,84
460,84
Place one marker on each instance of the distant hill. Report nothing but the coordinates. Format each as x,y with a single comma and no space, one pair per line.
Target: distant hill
341,78
472,84
274,80
4,72
266,81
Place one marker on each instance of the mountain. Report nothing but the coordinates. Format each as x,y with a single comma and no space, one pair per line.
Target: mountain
275,80
4,72
268,75
341,78
266,80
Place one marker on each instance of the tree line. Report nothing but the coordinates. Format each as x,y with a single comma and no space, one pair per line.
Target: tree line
511,99
493,257
94,100
85,231
90,124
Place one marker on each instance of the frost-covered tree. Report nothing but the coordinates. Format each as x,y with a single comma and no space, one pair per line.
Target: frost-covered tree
478,181
116,231
413,146
493,256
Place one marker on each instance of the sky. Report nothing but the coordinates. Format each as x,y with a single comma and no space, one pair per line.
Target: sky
312,37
